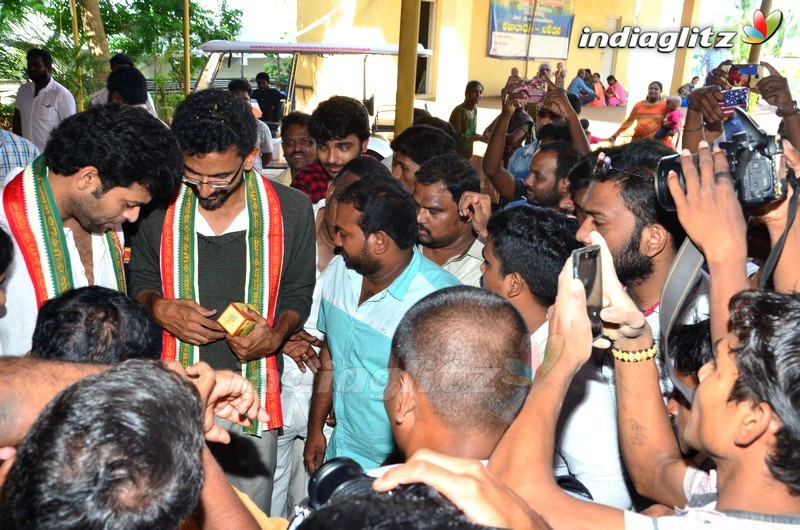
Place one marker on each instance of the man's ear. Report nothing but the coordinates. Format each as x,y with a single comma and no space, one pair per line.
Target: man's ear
514,285
86,178
379,242
757,419
250,158
364,146
563,186
406,399
655,239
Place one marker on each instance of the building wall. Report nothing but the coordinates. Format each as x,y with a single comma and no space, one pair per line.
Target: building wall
588,13
460,45
347,21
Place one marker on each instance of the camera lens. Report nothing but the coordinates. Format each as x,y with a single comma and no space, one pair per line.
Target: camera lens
665,165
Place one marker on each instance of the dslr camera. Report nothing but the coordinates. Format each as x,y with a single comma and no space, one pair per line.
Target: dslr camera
756,166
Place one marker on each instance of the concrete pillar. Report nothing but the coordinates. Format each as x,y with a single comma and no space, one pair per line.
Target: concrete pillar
407,64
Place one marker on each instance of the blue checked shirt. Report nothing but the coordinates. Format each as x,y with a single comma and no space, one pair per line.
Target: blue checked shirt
15,152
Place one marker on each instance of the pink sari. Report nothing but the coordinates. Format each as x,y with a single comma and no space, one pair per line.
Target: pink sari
616,95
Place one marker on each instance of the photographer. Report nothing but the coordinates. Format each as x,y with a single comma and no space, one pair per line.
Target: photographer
705,119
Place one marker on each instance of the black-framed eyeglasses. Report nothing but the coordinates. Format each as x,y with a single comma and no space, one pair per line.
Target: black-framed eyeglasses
214,182
603,167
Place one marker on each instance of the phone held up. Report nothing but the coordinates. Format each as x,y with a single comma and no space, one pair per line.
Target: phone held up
586,268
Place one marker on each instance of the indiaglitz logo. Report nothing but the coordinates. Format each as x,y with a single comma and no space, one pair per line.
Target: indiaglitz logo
663,41
763,28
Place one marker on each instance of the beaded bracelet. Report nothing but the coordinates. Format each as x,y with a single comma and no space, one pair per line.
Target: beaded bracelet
635,356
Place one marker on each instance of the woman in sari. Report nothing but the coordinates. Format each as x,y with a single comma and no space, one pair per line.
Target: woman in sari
615,92
599,92
648,115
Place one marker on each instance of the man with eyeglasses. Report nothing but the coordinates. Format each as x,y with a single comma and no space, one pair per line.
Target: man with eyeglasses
299,148
229,235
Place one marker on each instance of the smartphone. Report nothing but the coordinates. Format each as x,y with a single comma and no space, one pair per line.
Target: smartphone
586,268
735,97
742,75
531,92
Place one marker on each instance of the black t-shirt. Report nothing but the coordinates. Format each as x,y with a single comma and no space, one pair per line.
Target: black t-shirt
268,101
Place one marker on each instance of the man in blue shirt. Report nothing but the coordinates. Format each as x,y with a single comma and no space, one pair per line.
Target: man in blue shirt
366,291
579,87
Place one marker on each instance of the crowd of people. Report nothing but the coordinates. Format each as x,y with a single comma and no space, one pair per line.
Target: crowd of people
398,318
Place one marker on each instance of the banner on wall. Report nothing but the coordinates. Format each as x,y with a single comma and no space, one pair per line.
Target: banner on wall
511,35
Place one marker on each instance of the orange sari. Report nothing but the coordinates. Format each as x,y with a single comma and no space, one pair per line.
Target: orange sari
648,117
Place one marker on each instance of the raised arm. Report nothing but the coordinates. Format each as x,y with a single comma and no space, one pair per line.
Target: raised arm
502,180
712,217
774,88
704,117
557,101
531,438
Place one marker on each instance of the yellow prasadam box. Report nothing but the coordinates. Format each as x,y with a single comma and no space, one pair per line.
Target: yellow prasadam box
234,320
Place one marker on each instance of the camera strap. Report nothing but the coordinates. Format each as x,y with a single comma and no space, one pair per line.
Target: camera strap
775,254
683,274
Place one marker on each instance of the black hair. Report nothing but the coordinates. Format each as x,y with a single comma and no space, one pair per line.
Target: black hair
690,345
660,86
420,114
213,121
451,335
337,118
768,361
126,144
385,206
555,131
95,324
6,251
611,79
118,449
121,59
441,124
365,167
472,85
584,123
262,75
295,118
575,102
47,59
567,156
418,506
636,164
452,170
582,173
130,84
420,143
534,242
240,84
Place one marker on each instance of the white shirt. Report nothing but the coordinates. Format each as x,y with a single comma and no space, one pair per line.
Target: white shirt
264,142
296,386
42,113
587,442
18,319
